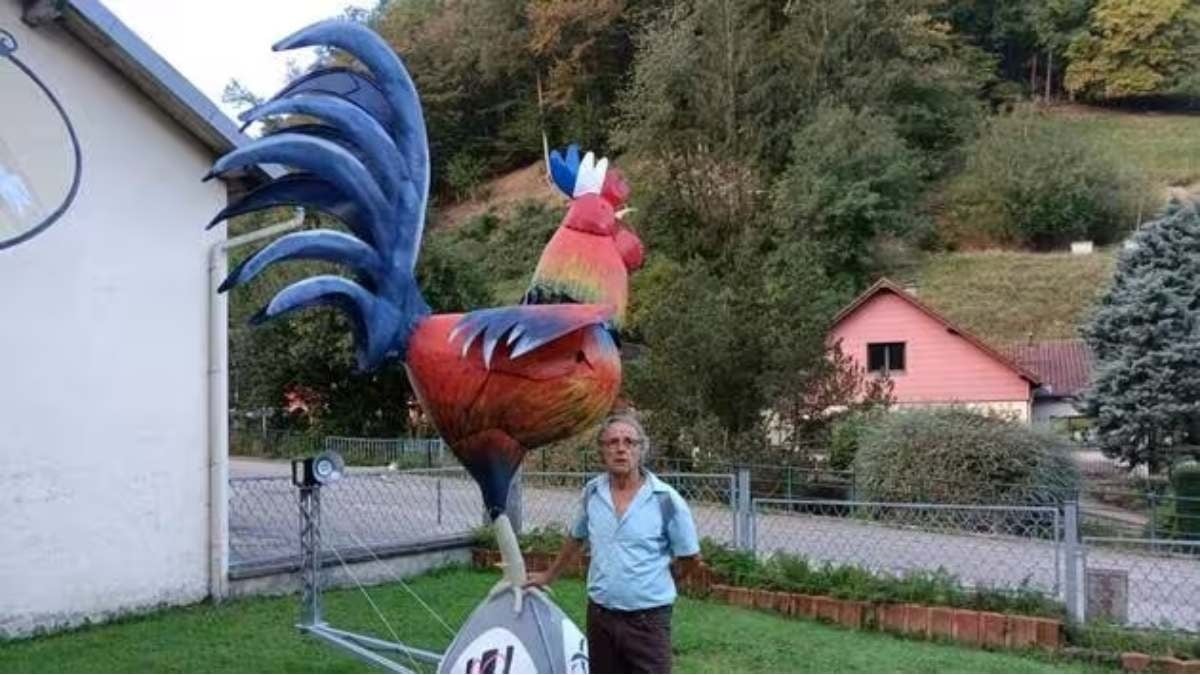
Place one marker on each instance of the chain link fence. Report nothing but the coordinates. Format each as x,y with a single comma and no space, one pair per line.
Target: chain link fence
1144,583
1131,578
994,547
366,513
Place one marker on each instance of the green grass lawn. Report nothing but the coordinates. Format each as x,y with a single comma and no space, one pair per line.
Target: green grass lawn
1165,146
1008,296
257,635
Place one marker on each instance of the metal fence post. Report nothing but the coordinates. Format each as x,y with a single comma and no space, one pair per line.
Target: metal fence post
743,518
310,563
1076,563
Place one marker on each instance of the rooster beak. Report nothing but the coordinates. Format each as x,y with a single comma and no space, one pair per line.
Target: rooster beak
620,215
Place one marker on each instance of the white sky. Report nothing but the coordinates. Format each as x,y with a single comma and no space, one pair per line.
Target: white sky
213,41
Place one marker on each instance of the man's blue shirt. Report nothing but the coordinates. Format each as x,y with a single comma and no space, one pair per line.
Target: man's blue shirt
631,555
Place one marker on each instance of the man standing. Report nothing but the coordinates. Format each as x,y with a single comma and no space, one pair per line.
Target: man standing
634,524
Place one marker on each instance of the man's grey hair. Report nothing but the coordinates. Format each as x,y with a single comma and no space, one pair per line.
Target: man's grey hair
631,420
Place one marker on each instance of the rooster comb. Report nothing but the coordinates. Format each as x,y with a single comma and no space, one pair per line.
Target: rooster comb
576,177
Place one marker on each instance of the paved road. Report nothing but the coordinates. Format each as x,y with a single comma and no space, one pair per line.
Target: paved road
380,508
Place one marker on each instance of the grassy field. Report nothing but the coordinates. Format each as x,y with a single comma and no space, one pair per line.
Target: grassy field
258,636
1008,296
1165,146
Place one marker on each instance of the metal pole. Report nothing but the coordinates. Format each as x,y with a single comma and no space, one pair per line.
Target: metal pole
439,501
310,565
746,541
1075,595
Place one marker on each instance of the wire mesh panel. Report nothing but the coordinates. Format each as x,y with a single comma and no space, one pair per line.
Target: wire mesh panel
404,452
998,547
366,512
551,498
1147,583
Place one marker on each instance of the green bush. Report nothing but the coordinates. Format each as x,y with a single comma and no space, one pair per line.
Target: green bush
851,179
797,574
1112,638
464,175
1185,481
1027,184
843,439
955,456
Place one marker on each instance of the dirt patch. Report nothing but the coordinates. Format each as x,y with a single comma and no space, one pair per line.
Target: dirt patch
502,194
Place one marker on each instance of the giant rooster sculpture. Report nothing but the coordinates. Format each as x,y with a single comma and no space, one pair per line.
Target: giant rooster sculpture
496,382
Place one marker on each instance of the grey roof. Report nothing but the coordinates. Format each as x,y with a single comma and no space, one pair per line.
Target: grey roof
98,28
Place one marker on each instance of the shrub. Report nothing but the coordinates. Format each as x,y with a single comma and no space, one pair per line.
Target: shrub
786,572
953,455
844,436
464,174
1185,480
1027,184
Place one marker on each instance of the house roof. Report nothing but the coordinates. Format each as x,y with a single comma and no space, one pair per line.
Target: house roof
887,286
100,30
1064,365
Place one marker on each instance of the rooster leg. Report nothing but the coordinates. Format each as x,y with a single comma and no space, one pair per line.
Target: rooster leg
512,563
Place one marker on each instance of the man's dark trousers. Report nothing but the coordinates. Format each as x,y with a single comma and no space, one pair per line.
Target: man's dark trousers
629,642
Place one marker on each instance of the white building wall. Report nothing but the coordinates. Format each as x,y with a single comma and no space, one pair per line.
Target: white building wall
103,452
1017,411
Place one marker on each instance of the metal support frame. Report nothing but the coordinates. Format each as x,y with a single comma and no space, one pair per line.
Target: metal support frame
368,649
310,559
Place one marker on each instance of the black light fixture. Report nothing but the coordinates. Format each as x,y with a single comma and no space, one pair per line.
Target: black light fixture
323,469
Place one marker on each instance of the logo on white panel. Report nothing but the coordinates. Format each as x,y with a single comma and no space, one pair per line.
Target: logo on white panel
496,650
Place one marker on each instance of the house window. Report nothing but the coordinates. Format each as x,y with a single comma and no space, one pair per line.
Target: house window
885,357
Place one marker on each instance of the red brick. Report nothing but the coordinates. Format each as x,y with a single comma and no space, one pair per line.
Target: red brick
1049,634
941,622
1135,662
966,626
779,601
916,620
762,598
993,629
1022,632
745,597
1169,664
805,606
791,606
851,613
826,608
891,618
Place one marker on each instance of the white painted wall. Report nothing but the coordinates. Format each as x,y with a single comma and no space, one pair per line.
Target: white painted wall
1017,411
103,450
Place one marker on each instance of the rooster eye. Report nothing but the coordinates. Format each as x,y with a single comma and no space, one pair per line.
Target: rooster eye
579,357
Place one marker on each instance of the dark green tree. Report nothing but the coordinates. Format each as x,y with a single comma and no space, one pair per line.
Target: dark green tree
1145,335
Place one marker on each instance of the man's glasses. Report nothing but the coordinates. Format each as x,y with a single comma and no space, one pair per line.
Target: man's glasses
618,442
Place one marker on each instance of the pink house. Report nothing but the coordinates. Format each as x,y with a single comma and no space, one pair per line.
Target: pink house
930,360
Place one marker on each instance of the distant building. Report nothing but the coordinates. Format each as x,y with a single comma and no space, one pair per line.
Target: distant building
931,361
1065,368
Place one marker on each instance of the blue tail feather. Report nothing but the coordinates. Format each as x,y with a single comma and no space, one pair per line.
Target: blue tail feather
367,163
